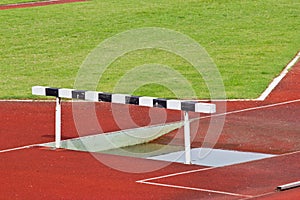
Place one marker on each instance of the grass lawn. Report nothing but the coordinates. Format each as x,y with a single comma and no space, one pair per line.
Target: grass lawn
249,41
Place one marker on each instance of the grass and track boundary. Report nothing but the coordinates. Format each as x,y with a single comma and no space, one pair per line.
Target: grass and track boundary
250,42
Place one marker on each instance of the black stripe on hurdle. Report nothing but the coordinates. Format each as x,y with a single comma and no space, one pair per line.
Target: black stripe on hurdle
78,94
188,106
52,92
160,103
106,97
132,100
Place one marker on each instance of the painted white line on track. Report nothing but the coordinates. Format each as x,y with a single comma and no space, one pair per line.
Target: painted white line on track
176,174
286,154
196,189
257,196
19,148
277,80
249,109
31,3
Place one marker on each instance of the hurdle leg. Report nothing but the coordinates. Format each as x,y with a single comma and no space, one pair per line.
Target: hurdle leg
58,122
187,138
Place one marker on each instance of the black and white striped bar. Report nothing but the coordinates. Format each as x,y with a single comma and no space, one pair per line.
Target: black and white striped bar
192,106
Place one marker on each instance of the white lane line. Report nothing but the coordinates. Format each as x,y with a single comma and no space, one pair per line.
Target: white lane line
196,189
277,80
19,148
286,154
31,3
260,195
249,109
176,174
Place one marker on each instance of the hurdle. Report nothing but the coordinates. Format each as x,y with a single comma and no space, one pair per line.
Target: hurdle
93,96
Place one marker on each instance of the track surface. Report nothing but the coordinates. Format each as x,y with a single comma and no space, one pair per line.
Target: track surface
270,126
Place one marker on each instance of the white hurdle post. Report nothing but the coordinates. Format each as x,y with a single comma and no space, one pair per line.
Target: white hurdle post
187,138
185,106
58,122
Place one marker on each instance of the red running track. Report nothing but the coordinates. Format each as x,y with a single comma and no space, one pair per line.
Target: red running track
35,4
268,127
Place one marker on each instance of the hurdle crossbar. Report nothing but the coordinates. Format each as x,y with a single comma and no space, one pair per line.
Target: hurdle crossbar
186,106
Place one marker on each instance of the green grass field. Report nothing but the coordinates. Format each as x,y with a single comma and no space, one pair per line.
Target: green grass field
250,42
